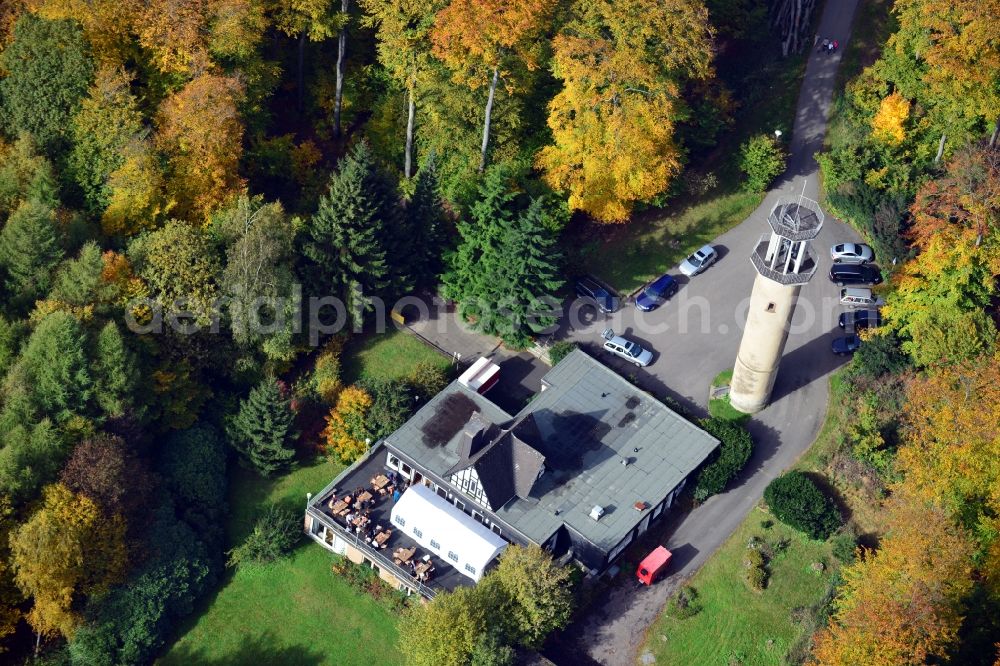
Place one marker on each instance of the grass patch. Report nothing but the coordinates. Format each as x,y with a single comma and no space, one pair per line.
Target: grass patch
294,611
390,356
720,408
737,624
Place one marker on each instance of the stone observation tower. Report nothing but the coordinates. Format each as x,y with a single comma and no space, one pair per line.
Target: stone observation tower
784,263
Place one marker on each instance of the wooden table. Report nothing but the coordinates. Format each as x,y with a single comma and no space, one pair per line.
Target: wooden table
380,482
403,555
359,521
381,538
340,508
364,497
423,567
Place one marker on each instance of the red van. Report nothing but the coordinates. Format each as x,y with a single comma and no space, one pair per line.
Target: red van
655,564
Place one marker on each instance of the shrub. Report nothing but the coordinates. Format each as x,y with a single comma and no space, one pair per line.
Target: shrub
756,566
844,546
684,604
326,373
560,350
347,435
426,381
761,159
757,578
274,534
734,452
795,500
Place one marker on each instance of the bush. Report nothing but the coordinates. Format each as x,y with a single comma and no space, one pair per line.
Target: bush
684,604
734,451
560,350
795,500
844,546
274,534
426,381
325,379
757,578
761,159
756,566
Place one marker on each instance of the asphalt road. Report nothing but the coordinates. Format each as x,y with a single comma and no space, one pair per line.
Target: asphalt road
695,336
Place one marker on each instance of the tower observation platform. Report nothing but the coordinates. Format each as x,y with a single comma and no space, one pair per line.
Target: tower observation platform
784,262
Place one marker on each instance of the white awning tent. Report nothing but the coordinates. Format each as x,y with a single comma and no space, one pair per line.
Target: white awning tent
446,531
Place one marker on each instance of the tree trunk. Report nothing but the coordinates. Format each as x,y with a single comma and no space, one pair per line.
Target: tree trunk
940,152
38,643
407,166
486,121
345,5
996,131
302,61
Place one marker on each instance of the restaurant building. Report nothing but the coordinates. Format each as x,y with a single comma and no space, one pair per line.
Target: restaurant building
582,470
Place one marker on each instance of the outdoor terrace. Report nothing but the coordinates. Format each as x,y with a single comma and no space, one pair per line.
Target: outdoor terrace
443,577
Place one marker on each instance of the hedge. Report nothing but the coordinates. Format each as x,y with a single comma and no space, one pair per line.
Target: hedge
734,451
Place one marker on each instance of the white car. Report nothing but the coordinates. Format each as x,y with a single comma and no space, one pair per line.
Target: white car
627,349
699,261
851,253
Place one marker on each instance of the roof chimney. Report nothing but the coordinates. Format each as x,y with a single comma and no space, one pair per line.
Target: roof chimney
597,512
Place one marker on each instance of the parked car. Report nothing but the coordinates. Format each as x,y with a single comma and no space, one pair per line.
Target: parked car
851,253
859,297
844,274
860,319
627,349
699,261
656,293
846,345
602,297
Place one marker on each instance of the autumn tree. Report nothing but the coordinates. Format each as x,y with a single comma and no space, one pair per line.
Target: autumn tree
10,597
236,28
179,267
50,68
108,120
66,550
137,191
889,124
445,631
484,41
174,34
106,470
403,29
347,435
902,603
258,277
263,430
107,24
200,131
622,65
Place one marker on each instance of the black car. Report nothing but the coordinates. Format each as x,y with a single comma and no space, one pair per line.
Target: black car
590,289
844,274
846,345
860,319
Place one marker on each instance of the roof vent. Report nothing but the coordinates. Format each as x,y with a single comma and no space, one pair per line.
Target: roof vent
597,512
624,462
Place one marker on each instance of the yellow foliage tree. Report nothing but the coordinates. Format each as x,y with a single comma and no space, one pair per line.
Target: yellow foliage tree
10,596
107,24
138,193
200,131
888,125
346,434
900,604
174,32
66,550
613,121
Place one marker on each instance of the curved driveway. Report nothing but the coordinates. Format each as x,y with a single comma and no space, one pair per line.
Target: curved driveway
696,336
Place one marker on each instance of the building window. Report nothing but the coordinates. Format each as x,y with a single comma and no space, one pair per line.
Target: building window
406,470
452,556
460,505
435,544
495,528
400,520
471,569
473,487
478,516
393,461
417,532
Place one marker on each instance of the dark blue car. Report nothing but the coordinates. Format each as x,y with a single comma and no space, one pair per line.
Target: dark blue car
657,293
846,345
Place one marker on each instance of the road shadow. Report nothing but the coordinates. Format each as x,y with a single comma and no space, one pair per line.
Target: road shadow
805,364
766,442
722,251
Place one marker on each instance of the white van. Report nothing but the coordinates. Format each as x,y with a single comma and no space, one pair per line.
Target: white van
859,297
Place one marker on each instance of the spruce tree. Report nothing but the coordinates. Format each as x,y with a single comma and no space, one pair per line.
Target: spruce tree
55,367
263,430
423,225
29,250
345,244
115,374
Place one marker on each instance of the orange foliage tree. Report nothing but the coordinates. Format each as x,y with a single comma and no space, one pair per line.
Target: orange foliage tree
174,33
346,434
199,130
901,604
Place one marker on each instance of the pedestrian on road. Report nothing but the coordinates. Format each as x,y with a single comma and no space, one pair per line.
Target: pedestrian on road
836,45
825,44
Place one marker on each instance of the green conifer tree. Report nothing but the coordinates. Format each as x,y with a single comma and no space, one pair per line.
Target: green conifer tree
29,250
115,373
346,240
423,228
55,366
263,430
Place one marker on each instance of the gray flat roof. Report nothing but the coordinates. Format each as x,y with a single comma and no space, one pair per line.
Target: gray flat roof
590,419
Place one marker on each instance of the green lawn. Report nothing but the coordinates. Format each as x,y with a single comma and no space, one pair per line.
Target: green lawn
391,355
736,623
719,407
295,611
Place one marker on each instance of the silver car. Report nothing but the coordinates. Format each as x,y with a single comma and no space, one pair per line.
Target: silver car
851,253
627,349
699,261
